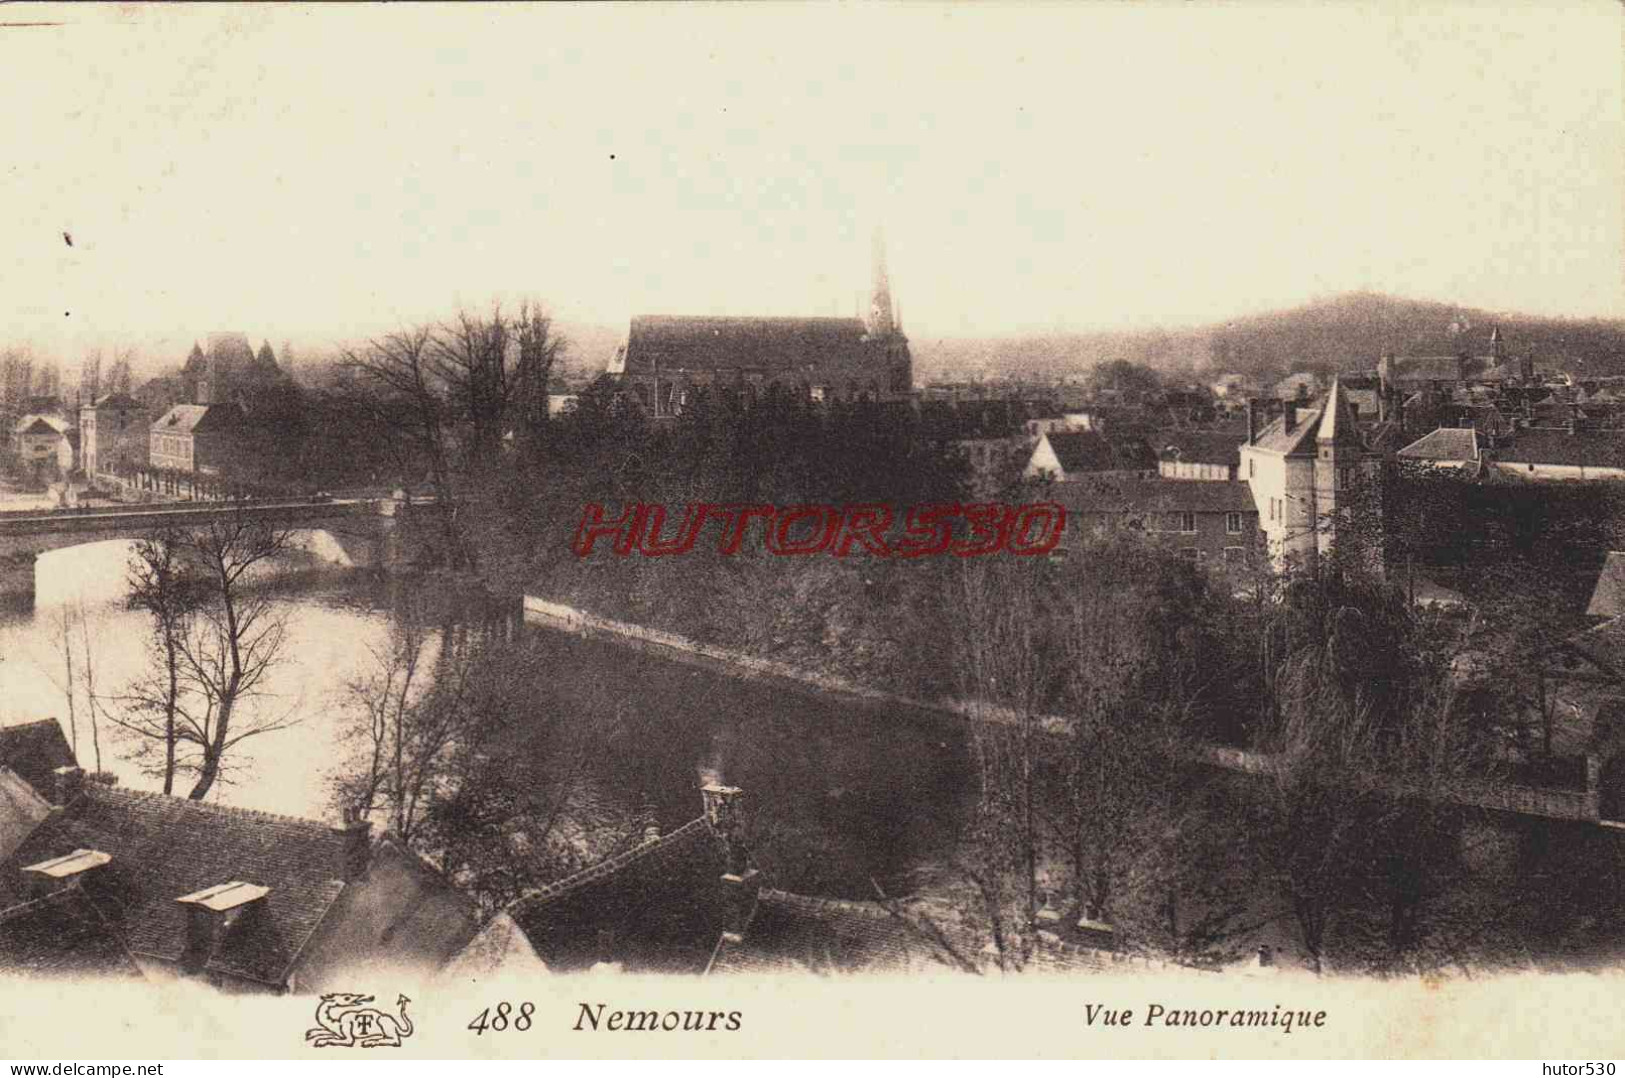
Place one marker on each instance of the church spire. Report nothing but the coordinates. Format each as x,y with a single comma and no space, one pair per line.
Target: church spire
881,322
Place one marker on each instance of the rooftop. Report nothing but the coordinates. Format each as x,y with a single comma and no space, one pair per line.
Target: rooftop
1201,446
33,751
1155,495
162,848
675,342
1092,451
1446,443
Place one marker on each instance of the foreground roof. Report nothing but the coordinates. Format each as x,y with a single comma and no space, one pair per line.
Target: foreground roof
165,847
21,811
33,751
1608,598
62,935
658,907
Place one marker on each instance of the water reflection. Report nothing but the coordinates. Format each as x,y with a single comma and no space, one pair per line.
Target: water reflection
841,796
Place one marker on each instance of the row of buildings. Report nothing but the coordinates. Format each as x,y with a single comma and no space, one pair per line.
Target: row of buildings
199,421
1278,481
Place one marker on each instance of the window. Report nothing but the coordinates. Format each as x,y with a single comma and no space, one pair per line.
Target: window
1187,522
1251,471
1189,553
1345,478
1232,523
1235,554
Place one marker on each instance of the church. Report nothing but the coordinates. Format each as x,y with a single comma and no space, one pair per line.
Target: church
667,358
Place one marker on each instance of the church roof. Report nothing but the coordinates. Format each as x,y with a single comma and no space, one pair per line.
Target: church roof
773,344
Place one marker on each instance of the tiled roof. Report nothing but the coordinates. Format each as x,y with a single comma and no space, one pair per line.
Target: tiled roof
658,907
1091,451
1388,437
1201,446
1275,438
501,950
1363,402
196,418
33,750
402,912
62,935
1591,449
1446,443
780,344
21,811
165,847
1608,598
1155,495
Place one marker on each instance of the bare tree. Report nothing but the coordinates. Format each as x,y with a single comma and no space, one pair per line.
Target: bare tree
162,586
392,768
410,401
217,636
1003,674
457,393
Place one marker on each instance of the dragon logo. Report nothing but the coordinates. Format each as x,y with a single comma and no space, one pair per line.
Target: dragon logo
343,1021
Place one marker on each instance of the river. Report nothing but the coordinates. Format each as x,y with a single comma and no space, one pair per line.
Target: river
842,796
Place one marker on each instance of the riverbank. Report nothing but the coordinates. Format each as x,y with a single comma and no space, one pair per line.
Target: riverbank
824,687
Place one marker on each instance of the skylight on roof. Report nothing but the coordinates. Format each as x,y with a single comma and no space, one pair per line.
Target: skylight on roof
58,868
226,896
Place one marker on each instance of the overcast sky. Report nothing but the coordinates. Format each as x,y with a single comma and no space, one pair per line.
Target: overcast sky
310,173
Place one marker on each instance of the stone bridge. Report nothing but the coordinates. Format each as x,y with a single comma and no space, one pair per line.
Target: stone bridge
364,528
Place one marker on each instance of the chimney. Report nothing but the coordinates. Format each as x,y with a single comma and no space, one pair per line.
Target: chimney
741,882
356,836
1265,958
210,912
1289,416
70,782
1252,421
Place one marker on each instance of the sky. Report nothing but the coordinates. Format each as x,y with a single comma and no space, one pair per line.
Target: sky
330,173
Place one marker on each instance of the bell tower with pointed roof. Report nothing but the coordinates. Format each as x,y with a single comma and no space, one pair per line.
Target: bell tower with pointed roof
1339,453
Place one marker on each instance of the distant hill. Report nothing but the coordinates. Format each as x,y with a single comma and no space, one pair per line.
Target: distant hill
1344,333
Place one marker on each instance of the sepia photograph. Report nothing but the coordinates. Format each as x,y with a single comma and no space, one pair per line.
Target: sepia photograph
819,530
